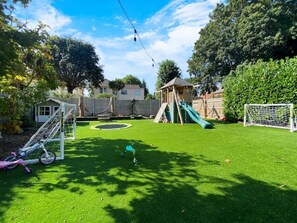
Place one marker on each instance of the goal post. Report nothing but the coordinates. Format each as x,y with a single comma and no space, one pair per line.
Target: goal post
270,115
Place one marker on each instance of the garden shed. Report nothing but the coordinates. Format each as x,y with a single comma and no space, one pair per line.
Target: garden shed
45,110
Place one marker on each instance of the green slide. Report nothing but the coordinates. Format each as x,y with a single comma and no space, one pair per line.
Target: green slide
195,116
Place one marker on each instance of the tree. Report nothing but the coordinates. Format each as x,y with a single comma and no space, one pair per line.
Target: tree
27,82
130,79
76,63
149,97
243,31
146,91
168,70
26,74
116,85
11,40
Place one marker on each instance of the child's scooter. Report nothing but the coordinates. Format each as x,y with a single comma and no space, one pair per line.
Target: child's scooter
132,150
7,164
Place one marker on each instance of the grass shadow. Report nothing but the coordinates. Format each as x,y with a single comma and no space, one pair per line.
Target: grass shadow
168,185
248,200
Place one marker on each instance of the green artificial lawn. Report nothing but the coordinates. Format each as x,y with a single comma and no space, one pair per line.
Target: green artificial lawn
185,174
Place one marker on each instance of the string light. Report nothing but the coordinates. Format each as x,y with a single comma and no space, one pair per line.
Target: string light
135,32
136,35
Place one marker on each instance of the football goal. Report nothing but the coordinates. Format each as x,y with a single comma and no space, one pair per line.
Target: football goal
270,115
58,128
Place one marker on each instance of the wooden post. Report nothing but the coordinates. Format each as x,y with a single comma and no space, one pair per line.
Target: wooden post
112,106
81,107
205,108
178,108
167,96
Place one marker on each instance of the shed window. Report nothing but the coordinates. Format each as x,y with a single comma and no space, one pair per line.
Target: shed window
44,110
56,108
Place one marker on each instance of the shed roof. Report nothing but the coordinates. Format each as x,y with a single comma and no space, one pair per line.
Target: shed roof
54,100
177,82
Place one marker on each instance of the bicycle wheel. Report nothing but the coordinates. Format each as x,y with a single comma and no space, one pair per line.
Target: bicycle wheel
10,158
46,160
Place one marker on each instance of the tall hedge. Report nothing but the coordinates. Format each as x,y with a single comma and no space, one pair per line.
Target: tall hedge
261,83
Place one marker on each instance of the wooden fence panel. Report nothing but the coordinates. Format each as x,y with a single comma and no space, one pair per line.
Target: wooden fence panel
211,108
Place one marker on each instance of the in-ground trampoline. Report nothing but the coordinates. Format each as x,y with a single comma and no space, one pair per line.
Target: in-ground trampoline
113,126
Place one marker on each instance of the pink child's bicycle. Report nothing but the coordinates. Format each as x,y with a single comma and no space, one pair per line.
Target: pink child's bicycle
7,164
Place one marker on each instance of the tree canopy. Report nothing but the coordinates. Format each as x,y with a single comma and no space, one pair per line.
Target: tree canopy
76,63
116,85
130,79
243,31
14,36
168,70
25,72
146,91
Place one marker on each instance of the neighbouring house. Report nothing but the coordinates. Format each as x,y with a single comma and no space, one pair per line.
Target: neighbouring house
104,88
130,92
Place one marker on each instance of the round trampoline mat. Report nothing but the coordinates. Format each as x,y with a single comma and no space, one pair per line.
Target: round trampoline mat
114,126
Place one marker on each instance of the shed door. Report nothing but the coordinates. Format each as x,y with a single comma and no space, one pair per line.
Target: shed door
44,113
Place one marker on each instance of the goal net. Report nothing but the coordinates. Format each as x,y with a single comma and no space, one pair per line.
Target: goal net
59,127
270,115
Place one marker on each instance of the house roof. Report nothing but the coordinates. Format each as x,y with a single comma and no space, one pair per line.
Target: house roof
105,83
131,86
177,82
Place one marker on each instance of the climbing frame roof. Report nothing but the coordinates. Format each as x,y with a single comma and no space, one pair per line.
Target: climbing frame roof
178,83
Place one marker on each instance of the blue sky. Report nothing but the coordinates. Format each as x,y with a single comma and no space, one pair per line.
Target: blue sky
167,28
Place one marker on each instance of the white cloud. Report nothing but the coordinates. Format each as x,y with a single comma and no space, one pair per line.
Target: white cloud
169,34
180,30
191,13
44,12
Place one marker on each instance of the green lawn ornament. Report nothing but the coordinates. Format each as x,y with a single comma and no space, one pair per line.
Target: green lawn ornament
129,148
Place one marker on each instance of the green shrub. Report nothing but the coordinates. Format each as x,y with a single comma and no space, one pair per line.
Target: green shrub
27,122
270,82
